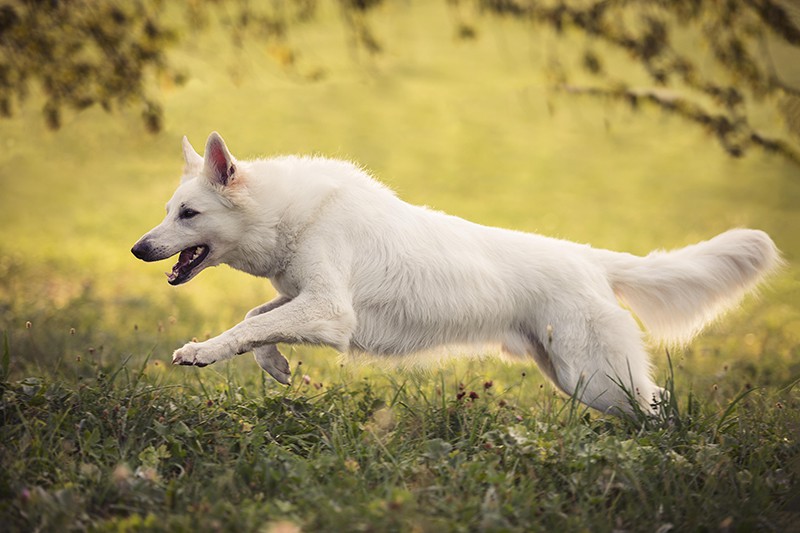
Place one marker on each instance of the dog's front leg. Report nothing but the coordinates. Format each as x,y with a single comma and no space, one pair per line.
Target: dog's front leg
305,319
268,356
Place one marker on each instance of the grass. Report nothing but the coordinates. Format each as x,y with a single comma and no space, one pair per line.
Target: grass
127,447
99,432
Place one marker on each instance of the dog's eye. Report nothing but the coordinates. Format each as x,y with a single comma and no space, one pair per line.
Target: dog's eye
187,213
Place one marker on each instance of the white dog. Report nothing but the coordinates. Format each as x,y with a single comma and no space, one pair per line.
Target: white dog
358,269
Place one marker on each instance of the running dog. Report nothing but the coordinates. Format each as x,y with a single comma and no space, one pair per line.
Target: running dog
360,270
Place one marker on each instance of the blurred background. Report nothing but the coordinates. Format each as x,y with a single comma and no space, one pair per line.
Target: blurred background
627,125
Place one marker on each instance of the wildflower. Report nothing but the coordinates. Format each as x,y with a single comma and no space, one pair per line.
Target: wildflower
384,419
28,325
283,526
460,395
473,395
122,474
148,473
306,379
351,465
488,385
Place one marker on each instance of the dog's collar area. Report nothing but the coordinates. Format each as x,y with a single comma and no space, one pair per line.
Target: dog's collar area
188,260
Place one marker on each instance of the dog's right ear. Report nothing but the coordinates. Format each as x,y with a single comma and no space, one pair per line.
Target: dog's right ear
194,161
219,164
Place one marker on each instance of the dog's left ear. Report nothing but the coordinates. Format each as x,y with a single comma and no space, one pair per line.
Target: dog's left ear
193,161
218,165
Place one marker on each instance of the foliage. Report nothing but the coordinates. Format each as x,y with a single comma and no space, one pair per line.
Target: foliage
100,52
81,54
716,90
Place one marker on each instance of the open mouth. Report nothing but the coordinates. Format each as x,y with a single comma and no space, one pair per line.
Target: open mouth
187,264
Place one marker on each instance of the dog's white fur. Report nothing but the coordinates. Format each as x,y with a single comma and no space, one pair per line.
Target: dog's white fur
358,269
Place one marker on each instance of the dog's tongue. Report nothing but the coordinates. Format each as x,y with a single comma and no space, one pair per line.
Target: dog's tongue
187,260
184,259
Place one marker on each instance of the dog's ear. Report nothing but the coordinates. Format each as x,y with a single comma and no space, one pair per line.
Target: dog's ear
194,161
218,166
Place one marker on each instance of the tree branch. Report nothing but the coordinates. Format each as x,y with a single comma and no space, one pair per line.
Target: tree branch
735,137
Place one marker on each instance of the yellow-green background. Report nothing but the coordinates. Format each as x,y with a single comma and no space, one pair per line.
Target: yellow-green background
473,128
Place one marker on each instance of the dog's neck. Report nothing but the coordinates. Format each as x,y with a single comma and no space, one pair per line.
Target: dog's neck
267,251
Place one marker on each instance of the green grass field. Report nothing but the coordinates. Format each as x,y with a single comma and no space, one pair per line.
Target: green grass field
99,432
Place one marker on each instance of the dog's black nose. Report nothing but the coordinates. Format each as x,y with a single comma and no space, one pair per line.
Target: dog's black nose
142,250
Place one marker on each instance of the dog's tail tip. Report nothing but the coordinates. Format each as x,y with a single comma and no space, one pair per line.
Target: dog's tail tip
760,248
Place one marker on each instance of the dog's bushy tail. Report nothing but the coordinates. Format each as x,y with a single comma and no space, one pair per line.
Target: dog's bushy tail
676,293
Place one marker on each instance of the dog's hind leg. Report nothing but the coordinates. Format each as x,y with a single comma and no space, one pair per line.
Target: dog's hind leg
598,358
268,356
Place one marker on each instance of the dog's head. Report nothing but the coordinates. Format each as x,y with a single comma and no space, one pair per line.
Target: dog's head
205,219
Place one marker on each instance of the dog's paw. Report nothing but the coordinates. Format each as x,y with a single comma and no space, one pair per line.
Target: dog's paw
273,362
196,354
